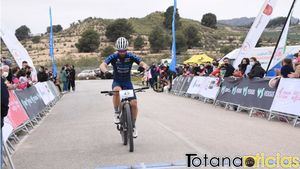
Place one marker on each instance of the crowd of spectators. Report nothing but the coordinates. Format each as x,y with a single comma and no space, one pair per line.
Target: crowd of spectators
67,77
17,78
248,68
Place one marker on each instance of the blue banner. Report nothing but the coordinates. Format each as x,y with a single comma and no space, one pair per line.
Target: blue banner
173,62
54,68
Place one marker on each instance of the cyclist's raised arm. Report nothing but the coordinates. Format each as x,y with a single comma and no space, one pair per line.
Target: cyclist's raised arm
104,67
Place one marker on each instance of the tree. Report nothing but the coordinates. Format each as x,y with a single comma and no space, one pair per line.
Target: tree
119,28
156,39
107,51
181,42
36,39
209,20
22,32
191,34
55,28
226,49
169,18
89,41
139,43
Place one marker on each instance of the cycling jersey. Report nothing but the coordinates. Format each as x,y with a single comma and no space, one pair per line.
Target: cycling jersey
122,65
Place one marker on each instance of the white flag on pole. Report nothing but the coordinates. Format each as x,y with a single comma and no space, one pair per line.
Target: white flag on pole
281,48
17,50
256,30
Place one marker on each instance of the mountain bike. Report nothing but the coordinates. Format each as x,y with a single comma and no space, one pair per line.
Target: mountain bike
160,84
126,120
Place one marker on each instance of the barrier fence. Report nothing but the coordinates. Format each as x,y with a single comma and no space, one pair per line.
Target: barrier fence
251,95
26,108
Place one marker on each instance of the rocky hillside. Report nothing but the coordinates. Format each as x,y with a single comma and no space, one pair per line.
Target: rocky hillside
212,39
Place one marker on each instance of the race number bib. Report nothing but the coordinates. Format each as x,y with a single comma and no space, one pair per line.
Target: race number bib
124,94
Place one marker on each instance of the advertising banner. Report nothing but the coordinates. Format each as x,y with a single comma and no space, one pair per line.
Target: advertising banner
44,92
247,93
31,101
287,98
16,113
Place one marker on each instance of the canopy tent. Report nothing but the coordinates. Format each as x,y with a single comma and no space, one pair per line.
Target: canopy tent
199,59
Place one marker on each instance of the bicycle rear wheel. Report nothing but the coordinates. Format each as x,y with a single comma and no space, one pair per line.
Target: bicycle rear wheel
129,123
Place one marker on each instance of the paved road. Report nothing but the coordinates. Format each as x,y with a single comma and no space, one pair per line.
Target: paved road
79,133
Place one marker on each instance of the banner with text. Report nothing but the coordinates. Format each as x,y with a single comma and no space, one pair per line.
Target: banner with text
247,93
31,101
44,92
287,98
16,112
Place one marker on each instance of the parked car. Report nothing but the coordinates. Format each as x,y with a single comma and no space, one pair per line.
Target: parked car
87,74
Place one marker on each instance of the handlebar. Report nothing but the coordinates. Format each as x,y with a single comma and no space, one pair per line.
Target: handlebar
135,90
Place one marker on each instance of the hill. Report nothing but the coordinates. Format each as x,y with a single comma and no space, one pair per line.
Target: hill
247,22
212,40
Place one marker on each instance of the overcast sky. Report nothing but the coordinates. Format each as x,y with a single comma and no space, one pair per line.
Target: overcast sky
34,13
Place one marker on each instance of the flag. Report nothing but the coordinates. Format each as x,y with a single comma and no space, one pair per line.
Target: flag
173,62
51,53
256,30
279,51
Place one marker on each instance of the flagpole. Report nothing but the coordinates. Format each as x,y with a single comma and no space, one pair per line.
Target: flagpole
51,53
285,23
173,62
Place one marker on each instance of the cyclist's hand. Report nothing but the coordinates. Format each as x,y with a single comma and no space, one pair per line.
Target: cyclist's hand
108,75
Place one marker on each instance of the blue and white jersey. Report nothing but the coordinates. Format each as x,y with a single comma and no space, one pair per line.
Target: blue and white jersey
122,65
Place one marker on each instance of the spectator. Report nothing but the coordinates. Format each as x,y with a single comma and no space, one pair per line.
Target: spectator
68,76
216,72
208,69
42,75
296,74
227,67
72,77
64,79
21,81
196,69
215,65
287,68
4,96
28,71
56,81
297,57
244,64
257,70
24,64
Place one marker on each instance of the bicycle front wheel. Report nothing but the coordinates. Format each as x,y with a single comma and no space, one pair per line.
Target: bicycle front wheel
158,87
124,131
127,111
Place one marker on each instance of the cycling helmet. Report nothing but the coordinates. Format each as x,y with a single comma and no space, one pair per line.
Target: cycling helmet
121,43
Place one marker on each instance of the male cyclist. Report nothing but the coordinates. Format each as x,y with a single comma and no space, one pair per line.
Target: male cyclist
122,63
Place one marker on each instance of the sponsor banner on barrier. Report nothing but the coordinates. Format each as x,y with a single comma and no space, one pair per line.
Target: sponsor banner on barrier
16,112
195,85
204,86
7,129
287,98
247,93
186,84
210,88
31,101
53,88
44,92
178,82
